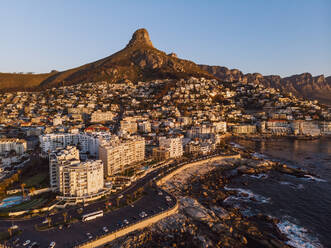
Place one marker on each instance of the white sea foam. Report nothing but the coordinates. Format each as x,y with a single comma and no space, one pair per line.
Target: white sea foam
292,185
245,195
236,145
259,155
312,178
298,236
259,176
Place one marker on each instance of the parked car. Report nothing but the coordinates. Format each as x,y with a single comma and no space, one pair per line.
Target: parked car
126,222
52,244
33,245
105,229
89,235
26,242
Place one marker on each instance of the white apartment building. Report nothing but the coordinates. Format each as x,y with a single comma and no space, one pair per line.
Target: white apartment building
145,127
244,129
117,154
59,157
129,125
325,127
99,116
74,178
201,131
50,142
12,144
85,142
220,126
173,145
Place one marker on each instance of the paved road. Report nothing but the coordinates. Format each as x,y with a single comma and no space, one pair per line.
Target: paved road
151,203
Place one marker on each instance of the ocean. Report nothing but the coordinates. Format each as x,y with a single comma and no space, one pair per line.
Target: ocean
303,205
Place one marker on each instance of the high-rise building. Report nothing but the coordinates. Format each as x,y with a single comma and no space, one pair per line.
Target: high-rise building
85,142
74,178
12,144
173,145
118,154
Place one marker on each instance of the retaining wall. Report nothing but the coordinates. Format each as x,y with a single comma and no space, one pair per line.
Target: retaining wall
184,167
140,225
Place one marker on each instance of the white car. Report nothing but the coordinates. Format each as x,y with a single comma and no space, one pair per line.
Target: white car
34,244
143,214
52,244
105,229
126,222
26,242
89,235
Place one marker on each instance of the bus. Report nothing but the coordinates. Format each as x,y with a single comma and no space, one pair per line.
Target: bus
92,216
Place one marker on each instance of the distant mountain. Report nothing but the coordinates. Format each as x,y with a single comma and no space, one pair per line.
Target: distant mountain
140,61
302,85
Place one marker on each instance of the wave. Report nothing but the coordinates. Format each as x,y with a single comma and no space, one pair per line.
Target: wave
259,155
245,195
292,185
310,177
259,176
298,236
236,145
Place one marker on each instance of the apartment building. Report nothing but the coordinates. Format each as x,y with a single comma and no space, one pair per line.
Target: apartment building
74,178
70,155
99,116
12,144
118,154
244,129
173,145
85,142
129,125
145,127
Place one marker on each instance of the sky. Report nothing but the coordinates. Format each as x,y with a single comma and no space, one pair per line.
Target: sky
283,37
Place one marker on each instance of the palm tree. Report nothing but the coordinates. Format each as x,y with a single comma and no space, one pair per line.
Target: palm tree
10,231
65,215
22,187
49,220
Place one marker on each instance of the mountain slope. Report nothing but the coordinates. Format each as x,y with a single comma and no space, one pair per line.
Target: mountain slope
138,61
302,85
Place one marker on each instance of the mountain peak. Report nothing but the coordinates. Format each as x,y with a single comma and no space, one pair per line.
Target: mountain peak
140,37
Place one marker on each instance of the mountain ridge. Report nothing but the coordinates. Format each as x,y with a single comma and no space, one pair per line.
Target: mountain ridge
139,60
301,85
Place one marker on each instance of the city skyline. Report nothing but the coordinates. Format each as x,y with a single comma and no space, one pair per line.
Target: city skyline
269,38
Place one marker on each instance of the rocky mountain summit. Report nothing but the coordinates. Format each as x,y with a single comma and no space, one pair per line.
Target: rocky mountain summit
302,85
138,61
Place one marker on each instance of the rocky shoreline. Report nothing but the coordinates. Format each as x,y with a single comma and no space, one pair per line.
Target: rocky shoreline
205,219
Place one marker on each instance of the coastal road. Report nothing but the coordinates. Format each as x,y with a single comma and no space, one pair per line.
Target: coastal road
151,203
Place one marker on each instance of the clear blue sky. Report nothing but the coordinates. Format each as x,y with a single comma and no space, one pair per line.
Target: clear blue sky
271,37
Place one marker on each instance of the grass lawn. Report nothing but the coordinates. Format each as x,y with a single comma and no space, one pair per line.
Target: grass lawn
36,180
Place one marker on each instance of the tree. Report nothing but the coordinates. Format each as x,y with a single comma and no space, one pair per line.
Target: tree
22,187
65,215
49,220
32,190
10,231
